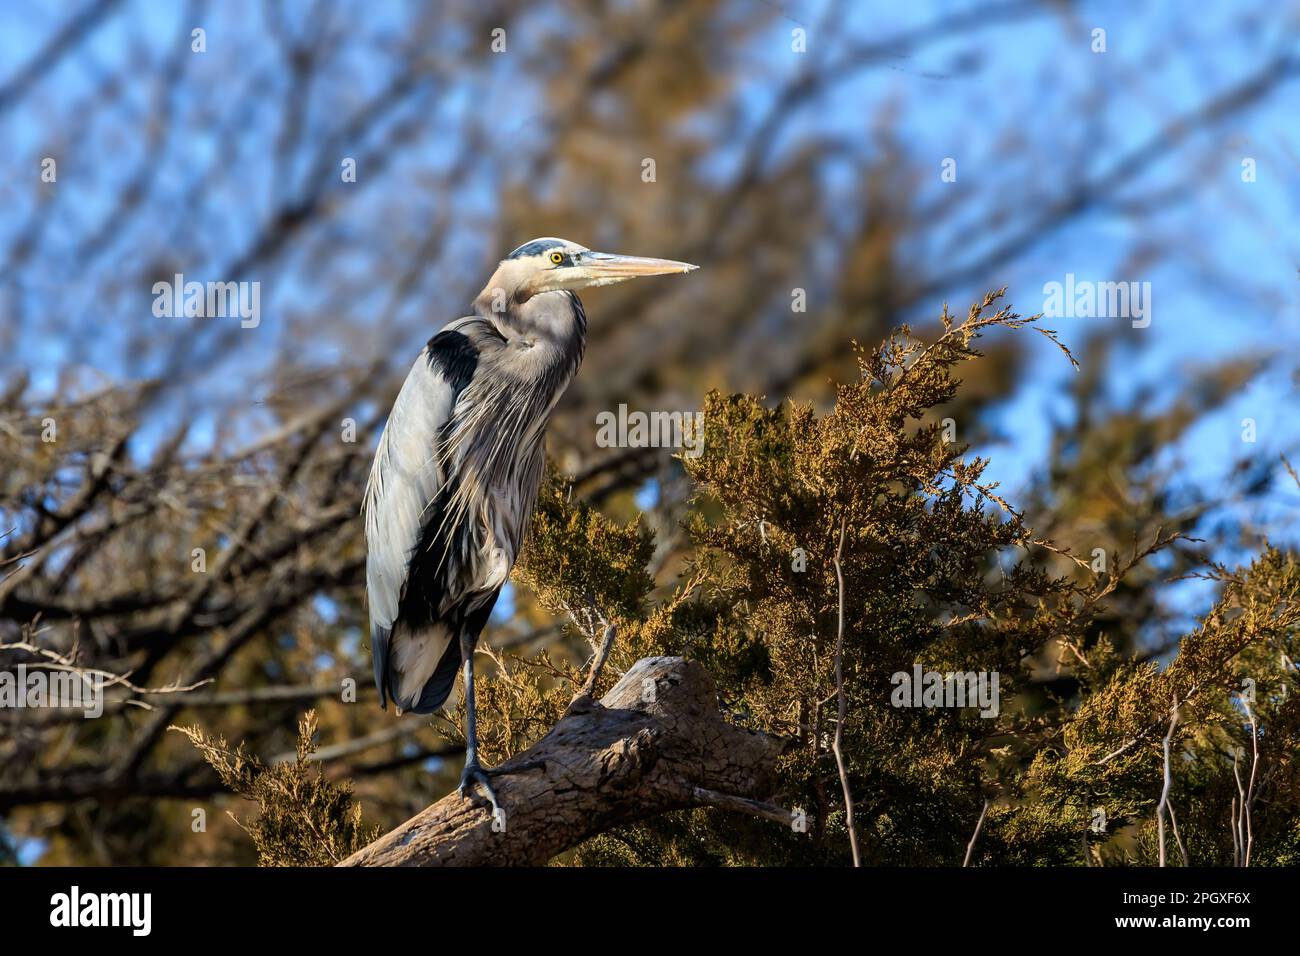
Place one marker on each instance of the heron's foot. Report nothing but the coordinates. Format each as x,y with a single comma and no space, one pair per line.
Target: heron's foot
475,774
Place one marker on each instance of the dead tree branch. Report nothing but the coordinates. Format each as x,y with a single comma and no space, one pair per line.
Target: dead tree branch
656,742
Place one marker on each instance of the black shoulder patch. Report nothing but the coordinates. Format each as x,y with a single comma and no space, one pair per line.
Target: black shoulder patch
454,355
579,313
534,247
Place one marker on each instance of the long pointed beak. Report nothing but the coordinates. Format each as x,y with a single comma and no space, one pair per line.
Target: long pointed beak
600,268
603,266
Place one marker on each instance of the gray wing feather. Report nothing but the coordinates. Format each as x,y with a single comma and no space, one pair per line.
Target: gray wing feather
404,480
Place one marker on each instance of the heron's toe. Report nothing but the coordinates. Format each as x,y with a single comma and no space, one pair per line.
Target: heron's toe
472,775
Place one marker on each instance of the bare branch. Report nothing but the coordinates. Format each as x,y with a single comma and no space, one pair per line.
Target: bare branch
838,745
656,742
1168,777
970,847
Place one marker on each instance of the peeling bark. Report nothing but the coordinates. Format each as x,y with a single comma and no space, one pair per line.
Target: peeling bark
656,742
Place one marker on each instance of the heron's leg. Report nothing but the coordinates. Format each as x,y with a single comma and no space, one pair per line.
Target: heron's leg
473,772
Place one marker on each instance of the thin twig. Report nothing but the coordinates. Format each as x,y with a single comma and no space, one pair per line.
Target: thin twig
838,745
970,847
597,665
60,662
1178,837
1232,819
1249,800
1134,741
1238,812
727,801
1169,779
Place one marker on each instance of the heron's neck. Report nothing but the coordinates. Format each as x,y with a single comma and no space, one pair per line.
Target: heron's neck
549,319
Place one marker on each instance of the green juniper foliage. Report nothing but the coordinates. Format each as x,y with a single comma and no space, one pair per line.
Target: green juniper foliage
940,572
305,819
943,572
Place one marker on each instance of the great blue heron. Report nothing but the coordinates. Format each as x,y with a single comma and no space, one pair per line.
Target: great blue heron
457,469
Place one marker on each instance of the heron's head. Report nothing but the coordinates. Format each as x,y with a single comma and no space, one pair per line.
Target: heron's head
553,265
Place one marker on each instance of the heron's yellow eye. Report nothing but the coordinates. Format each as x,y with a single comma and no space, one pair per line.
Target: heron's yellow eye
557,257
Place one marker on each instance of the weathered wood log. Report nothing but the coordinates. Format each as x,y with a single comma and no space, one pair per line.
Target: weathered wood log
656,742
